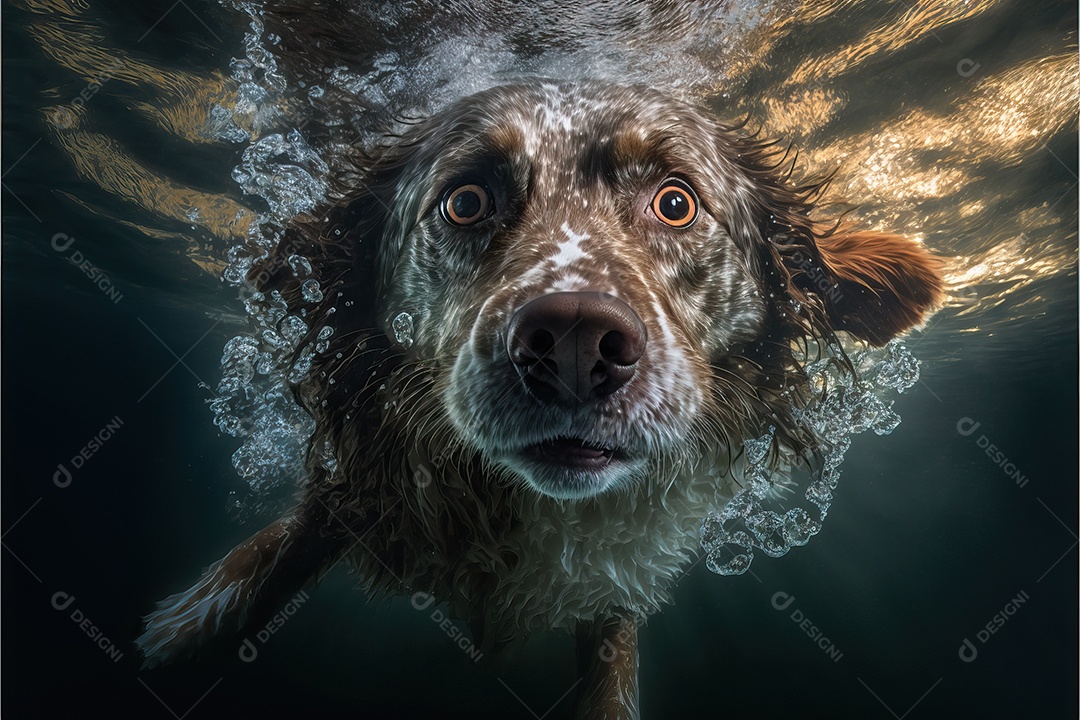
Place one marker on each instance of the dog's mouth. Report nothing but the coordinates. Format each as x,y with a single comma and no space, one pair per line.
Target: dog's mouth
570,467
574,454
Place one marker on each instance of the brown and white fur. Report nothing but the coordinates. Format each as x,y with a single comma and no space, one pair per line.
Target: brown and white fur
441,480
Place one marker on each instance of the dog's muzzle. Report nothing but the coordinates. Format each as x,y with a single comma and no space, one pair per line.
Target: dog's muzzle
573,347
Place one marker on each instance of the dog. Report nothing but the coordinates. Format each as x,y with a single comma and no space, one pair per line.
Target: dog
559,308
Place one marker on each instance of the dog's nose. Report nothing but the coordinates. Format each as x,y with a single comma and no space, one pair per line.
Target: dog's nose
570,347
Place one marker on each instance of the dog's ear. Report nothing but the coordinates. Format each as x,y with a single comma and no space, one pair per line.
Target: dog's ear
871,284
340,244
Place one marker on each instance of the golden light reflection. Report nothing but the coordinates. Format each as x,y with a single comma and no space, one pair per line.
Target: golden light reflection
203,257
101,160
918,22
922,172
70,8
182,108
184,100
898,169
809,98
796,112
782,21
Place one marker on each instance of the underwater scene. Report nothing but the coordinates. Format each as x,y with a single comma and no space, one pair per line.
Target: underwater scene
561,359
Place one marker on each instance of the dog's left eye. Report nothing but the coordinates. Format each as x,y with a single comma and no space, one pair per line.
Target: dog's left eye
466,204
675,203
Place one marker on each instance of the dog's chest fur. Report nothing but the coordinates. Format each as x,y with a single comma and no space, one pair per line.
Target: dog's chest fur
513,561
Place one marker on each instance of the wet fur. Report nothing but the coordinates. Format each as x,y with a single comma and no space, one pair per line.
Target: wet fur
409,497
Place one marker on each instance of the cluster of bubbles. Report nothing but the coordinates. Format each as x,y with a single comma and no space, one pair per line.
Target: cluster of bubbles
253,399
414,58
841,405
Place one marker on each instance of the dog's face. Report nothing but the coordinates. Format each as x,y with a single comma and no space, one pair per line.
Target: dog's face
577,259
574,258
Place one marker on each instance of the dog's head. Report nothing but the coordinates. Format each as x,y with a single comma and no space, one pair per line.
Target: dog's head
598,277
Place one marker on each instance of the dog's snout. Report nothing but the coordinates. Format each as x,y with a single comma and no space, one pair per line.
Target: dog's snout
570,347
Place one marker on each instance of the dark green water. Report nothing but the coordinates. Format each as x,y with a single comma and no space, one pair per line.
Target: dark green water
928,538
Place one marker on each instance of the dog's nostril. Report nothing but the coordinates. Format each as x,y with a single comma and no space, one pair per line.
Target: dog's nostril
571,347
541,343
526,348
612,346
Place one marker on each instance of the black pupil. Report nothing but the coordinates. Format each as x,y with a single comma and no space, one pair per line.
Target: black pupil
466,204
673,205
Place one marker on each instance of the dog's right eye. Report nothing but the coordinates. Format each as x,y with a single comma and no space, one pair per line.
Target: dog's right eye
675,204
466,204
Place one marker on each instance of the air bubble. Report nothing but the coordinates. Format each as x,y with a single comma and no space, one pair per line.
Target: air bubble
840,406
254,400
403,329
735,564
293,329
253,305
264,363
311,291
300,265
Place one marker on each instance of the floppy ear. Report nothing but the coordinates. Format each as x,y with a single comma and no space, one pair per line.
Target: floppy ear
872,285
340,241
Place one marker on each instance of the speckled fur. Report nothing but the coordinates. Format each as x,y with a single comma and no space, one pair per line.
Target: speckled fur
421,492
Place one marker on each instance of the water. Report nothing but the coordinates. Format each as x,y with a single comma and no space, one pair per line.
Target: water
157,141
841,405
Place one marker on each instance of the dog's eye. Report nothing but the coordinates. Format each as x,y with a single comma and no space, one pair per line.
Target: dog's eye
466,204
675,204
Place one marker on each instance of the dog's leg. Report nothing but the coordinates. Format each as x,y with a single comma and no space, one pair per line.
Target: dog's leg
607,669
244,587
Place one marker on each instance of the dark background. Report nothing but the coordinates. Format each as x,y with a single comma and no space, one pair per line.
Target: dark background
926,541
